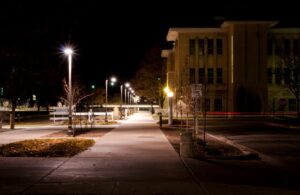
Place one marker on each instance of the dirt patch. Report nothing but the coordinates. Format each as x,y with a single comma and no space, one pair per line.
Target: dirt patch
90,132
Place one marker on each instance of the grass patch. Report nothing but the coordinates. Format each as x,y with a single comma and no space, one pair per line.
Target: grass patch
46,147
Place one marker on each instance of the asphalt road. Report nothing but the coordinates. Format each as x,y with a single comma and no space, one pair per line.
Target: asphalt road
277,146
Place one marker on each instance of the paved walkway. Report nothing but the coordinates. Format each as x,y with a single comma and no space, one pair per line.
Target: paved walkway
134,158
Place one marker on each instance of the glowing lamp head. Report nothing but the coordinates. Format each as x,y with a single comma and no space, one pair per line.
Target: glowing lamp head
166,90
113,79
127,84
68,51
170,94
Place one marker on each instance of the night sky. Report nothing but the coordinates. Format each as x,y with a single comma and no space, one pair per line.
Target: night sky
112,37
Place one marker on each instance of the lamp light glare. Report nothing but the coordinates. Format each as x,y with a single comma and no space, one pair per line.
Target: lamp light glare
170,94
68,51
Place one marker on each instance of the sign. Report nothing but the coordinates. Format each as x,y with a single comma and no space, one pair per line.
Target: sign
196,90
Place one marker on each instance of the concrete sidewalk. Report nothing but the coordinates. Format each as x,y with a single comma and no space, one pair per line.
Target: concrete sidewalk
134,158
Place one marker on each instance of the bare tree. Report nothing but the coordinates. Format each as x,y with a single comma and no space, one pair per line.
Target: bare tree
78,93
149,78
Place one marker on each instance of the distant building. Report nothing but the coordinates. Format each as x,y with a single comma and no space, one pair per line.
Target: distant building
239,64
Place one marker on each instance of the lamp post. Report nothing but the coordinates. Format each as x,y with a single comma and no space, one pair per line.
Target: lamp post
127,85
170,95
170,98
68,51
121,102
112,80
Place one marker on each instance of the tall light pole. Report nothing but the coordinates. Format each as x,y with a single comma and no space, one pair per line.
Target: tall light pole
127,85
112,80
121,90
68,51
170,95
170,98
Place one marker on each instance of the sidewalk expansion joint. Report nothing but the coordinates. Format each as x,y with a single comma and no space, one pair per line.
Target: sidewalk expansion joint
46,175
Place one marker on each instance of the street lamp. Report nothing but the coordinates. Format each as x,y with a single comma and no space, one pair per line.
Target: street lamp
170,98
127,85
112,80
121,90
69,51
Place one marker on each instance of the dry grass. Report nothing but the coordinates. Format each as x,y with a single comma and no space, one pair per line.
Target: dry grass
84,132
62,147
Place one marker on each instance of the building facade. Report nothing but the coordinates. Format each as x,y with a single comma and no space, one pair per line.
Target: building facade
239,66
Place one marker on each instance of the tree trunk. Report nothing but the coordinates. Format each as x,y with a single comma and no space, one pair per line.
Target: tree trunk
12,115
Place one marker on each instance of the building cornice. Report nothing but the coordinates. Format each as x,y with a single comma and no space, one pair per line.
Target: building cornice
174,32
285,30
267,23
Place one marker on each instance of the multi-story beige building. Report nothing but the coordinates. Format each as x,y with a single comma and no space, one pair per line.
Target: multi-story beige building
238,64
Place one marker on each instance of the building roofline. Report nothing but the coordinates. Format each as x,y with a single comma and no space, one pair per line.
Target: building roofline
267,23
285,30
174,32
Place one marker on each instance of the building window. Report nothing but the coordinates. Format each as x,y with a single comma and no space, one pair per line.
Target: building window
287,47
219,46
201,46
192,47
219,75
201,75
278,75
210,75
278,47
270,46
192,75
218,105
296,46
207,105
210,46
269,75
292,105
287,76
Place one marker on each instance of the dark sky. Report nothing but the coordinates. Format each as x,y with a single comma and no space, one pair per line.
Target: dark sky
111,37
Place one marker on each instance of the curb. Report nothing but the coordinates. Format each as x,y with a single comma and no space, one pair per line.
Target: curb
285,126
247,153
